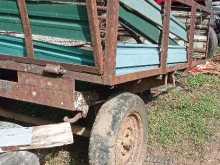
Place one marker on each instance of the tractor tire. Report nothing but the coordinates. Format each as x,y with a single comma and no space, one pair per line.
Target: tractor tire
118,135
213,43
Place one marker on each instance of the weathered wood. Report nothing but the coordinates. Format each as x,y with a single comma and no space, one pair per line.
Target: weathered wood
46,136
15,136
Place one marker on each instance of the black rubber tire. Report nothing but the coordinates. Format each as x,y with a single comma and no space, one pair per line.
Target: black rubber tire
213,43
107,125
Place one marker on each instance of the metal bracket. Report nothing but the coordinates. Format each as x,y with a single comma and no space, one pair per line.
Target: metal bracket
54,69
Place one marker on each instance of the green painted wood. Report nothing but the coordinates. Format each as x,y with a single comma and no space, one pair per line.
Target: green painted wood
51,19
141,26
151,11
69,20
47,10
129,57
13,46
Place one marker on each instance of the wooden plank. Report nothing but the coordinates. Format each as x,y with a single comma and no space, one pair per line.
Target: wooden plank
152,12
15,136
46,136
133,58
62,20
14,46
128,18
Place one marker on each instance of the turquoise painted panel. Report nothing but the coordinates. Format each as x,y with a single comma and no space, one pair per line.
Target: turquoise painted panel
124,71
130,58
138,57
13,46
152,12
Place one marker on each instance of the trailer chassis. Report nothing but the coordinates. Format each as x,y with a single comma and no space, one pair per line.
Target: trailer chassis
55,84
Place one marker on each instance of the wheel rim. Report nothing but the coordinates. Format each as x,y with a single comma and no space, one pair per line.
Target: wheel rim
130,140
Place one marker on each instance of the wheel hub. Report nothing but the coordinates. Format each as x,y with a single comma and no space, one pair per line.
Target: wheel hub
130,140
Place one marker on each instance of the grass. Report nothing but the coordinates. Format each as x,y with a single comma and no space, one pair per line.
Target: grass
202,79
185,116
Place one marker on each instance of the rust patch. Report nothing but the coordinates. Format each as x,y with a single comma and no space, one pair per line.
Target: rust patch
55,92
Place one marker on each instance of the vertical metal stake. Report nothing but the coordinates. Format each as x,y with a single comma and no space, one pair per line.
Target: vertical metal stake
26,28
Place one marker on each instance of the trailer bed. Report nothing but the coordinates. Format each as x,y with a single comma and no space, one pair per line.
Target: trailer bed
130,58
118,45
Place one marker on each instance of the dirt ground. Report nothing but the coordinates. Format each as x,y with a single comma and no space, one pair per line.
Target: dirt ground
62,156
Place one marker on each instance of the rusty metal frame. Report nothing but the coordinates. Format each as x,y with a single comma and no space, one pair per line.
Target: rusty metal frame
163,67
49,91
111,40
105,58
95,31
26,28
191,35
95,41
165,36
33,86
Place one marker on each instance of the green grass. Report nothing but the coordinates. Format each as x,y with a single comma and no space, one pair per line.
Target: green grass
202,79
182,116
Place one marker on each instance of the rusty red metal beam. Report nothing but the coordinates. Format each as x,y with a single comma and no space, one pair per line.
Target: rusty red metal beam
95,33
191,35
55,92
165,36
26,28
39,70
140,86
111,39
147,73
70,67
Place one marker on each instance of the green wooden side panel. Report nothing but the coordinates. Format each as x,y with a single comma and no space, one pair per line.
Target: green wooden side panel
51,19
46,9
141,26
70,20
150,11
13,46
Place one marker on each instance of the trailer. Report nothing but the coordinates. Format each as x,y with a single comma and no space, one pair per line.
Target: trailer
74,55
